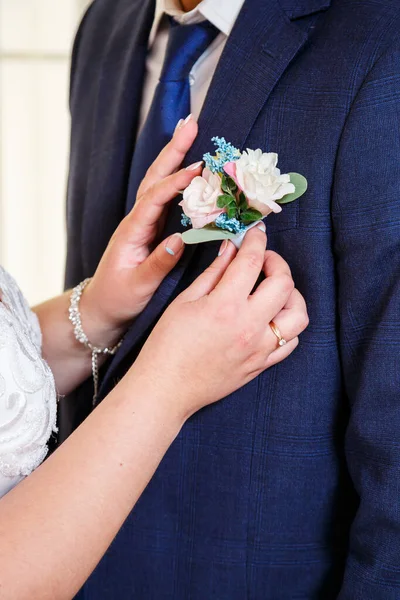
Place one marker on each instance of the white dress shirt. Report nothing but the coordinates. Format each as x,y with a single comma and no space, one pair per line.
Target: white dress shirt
221,13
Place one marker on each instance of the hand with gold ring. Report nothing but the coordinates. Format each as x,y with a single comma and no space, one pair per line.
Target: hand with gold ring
214,338
277,332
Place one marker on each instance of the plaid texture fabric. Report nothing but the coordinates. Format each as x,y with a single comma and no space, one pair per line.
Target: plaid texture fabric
289,489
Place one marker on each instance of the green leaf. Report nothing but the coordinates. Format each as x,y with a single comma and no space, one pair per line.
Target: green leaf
197,236
232,185
300,183
225,200
224,185
228,185
231,211
251,215
243,204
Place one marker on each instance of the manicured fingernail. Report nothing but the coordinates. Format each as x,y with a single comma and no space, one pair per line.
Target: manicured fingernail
194,166
174,244
223,247
262,227
186,121
179,124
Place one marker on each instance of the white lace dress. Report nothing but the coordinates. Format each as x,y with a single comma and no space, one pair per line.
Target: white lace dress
28,399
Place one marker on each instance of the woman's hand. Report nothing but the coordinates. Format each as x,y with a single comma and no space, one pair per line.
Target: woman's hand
130,272
215,337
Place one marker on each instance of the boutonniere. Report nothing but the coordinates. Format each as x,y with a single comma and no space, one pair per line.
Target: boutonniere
235,192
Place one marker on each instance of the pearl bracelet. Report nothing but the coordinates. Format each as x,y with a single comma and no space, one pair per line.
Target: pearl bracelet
81,337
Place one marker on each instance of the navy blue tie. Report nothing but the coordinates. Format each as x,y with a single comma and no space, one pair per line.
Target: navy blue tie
171,100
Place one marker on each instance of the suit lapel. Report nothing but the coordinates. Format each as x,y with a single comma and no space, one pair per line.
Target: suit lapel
116,116
262,44
246,75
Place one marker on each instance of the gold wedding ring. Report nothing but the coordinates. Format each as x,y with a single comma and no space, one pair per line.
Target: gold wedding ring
276,331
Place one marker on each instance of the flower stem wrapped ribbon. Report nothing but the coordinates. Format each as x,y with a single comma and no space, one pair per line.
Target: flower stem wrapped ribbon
235,192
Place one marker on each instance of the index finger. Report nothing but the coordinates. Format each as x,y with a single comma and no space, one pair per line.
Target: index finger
242,274
146,213
171,156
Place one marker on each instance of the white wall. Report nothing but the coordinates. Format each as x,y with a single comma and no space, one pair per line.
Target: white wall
35,44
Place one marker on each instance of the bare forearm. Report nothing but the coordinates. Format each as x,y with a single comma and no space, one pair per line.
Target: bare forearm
69,360
56,525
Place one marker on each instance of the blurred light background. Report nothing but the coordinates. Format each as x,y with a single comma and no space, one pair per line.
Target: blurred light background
35,44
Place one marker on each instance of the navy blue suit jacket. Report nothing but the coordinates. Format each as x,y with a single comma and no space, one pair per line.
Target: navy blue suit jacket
288,489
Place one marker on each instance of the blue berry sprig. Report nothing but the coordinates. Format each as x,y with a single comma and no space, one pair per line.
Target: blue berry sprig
225,153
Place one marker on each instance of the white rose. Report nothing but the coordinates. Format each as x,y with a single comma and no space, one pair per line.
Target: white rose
261,181
200,199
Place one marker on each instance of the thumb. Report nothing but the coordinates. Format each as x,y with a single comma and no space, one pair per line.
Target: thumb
159,263
209,279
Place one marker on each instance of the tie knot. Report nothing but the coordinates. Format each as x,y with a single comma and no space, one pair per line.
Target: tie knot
186,43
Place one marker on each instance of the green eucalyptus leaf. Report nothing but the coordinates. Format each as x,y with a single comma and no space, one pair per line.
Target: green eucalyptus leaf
225,200
197,236
250,215
300,183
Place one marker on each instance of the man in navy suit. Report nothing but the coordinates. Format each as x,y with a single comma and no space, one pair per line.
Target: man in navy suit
290,488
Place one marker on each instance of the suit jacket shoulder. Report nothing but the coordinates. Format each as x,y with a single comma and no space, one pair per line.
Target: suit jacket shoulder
100,23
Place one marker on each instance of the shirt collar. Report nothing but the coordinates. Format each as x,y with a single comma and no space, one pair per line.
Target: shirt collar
221,14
